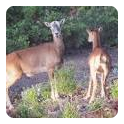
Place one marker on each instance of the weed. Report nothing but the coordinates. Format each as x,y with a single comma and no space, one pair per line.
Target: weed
96,105
66,83
114,90
43,92
30,105
70,111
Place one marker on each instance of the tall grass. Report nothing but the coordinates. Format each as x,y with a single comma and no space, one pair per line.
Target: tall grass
66,83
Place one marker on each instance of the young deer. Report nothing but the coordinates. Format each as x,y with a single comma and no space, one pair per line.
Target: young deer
99,63
42,58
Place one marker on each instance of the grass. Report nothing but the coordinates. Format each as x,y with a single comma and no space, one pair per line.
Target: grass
29,105
26,110
43,92
70,111
36,101
96,105
66,83
114,89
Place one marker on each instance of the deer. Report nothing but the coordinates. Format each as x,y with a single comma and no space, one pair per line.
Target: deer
45,57
99,62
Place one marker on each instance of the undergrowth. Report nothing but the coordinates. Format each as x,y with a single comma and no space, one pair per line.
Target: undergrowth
66,83
70,111
114,90
36,101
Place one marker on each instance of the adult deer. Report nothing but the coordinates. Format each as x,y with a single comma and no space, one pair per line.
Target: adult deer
43,58
99,63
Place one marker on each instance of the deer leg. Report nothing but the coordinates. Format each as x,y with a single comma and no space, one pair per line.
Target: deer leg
89,89
102,86
103,81
52,90
8,103
56,92
51,78
10,80
94,87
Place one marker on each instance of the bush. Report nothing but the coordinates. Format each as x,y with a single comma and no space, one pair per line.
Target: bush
23,29
29,105
26,110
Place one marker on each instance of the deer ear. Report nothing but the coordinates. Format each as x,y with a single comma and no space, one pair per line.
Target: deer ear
47,24
62,21
100,29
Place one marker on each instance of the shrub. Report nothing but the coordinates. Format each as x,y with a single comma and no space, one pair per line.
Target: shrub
32,110
23,30
30,105
70,111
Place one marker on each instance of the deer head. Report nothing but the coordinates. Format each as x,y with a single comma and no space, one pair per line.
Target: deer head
92,33
55,27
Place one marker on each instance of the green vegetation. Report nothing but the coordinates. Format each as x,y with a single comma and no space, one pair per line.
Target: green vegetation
96,105
36,100
114,90
29,105
46,93
25,27
26,110
70,111
36,103
66,83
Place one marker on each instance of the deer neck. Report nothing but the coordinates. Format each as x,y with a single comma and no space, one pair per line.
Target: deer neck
96,42
59,45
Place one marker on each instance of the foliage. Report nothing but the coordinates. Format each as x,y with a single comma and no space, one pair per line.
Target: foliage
66,83
45,92
26,110
36,99
114,90
29,105
96,104
70,111
25,27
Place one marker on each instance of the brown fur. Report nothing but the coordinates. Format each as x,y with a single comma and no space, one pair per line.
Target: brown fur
99,63
43,58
